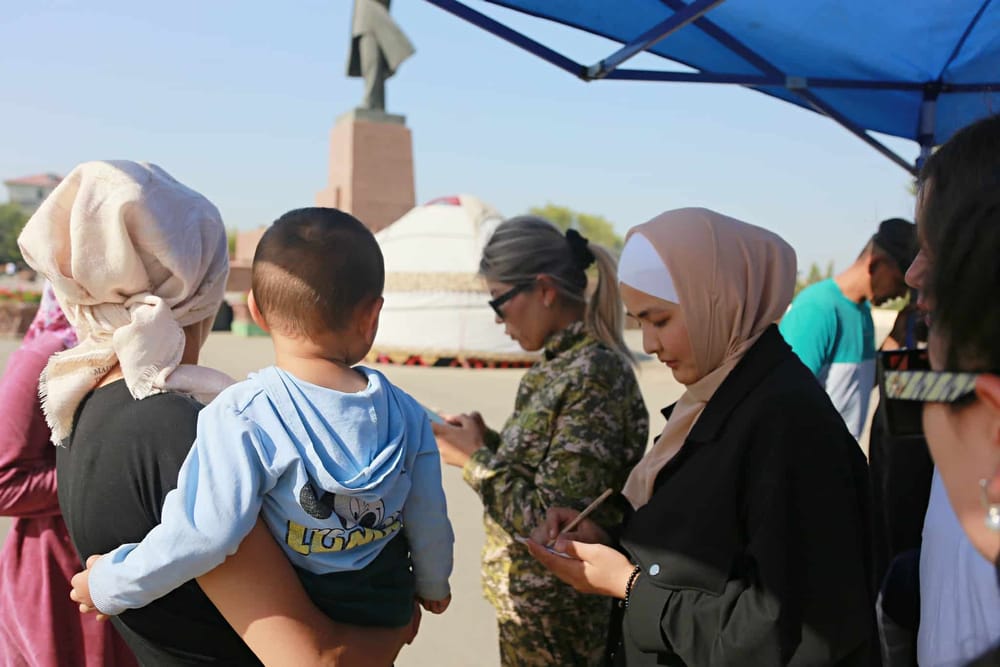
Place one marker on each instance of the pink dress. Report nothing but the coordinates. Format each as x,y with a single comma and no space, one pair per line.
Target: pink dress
39,625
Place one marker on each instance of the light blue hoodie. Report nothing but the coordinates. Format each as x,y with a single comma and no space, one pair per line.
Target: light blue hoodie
335,477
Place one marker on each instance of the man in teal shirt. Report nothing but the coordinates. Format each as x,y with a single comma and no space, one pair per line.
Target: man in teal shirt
830,327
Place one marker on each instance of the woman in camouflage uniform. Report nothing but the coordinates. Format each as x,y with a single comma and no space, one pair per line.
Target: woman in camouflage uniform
579,426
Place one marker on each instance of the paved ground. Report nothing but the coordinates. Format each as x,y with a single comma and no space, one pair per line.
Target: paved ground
466,633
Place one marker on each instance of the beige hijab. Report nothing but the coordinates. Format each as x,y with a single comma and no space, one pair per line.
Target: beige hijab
733,281
133,256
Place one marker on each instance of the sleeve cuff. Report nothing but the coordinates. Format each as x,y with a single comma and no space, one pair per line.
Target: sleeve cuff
430,590
477,467
644,613
491,440
99,580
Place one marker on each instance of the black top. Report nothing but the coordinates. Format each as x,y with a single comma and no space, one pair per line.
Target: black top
901,469
754,548
989,659
122,459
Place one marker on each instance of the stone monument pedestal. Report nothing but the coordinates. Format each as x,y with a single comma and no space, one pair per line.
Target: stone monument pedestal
371,168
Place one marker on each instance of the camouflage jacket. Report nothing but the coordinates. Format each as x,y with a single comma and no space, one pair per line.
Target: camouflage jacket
579,426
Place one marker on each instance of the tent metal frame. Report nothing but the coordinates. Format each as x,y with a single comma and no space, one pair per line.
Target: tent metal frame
694,13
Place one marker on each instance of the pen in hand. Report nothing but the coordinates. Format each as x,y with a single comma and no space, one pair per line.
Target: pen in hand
581,516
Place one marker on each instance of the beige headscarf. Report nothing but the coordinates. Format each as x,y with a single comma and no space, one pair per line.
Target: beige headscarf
133,257
733,280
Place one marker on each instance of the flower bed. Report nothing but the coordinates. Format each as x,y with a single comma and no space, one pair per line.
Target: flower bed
17,309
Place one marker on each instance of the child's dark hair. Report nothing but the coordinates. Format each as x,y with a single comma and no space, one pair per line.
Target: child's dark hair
964,282
968,162
313,268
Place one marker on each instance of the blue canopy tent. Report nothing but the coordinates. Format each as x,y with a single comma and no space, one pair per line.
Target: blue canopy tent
917,69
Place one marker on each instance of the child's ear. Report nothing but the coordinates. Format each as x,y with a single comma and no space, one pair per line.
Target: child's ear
371,317
255,315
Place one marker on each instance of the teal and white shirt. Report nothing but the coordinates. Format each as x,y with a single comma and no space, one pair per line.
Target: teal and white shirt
835,338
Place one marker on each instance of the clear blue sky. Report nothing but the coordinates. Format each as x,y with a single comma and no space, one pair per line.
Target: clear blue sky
236,99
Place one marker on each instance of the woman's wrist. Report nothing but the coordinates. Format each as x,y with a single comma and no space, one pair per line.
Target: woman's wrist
471,447
633,575
468,449
475,446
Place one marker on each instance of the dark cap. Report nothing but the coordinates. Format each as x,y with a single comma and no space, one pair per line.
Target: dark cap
898,239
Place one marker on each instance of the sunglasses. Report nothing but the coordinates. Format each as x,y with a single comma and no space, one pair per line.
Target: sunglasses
906,382
496,303
930,386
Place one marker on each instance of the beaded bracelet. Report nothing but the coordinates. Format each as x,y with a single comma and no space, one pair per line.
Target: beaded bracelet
631,581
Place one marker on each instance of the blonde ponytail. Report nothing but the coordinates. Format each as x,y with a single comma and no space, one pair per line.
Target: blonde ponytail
527,246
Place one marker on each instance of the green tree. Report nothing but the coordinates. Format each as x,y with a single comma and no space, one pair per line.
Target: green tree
814,275
12,220
597,228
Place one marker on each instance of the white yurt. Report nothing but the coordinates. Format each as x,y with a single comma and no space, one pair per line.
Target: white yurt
436,310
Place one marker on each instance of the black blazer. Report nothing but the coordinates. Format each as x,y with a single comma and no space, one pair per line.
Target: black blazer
755,545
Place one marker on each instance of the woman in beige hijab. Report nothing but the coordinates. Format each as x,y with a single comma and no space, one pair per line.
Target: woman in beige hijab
139,262
747,543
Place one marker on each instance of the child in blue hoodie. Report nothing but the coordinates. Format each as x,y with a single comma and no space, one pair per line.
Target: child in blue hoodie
341,465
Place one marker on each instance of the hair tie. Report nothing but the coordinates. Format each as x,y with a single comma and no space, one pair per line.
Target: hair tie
582,255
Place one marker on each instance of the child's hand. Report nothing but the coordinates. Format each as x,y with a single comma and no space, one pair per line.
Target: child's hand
81,588
435,606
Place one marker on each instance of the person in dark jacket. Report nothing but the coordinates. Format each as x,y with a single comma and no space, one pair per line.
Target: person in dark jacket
748,541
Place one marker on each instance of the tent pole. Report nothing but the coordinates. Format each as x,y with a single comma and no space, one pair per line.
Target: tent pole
964,37
517,39
842,120
685,14
712,29
679,19
928,118
773,76
756,80
797,85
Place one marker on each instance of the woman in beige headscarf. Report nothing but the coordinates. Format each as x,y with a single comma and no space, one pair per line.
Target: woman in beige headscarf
139,263
747,544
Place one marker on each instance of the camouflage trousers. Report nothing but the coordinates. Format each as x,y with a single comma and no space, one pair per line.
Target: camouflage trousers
547,640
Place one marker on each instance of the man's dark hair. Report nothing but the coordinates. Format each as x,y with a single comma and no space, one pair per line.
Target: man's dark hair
964,282
313,268
965,164
897,238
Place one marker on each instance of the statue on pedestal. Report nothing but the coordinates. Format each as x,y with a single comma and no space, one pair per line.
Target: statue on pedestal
378,47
